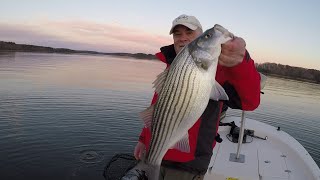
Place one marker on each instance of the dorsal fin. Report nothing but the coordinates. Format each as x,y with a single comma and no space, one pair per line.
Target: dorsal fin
161,78
147,115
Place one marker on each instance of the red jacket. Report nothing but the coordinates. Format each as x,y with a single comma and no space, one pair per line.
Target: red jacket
241,83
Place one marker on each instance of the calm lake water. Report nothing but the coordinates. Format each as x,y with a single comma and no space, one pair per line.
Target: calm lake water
65,116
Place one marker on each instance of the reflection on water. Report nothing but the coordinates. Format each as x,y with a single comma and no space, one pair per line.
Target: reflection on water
64,116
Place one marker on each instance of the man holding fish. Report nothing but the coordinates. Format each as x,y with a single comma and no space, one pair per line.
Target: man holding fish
204,71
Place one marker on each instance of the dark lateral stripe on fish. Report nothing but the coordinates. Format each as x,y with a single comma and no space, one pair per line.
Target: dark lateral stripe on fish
192,94
158,134
158,111
187,97
169,117
176,118
161,98
178,97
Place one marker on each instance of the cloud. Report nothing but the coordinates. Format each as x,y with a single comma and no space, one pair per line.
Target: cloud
84,35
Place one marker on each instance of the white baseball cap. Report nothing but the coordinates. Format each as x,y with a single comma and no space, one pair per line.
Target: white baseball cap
189,21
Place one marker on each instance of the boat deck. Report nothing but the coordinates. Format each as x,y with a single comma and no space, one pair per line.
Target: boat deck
280,157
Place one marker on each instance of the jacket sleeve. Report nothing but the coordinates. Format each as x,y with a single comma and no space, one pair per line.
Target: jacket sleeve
243,85
142,136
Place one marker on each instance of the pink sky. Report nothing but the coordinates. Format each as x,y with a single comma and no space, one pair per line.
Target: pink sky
115,37
84,35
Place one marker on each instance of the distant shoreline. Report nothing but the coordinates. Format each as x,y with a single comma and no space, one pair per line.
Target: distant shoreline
289,72
291,78
13,47
272,69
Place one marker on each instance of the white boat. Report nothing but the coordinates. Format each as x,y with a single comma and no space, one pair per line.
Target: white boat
271,155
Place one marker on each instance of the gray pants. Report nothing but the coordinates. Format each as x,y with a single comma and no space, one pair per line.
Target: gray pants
173,174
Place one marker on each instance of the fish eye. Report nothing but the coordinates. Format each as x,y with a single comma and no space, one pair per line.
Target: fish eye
207,36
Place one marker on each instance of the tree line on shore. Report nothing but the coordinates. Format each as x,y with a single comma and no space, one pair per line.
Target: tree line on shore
11,46
286,71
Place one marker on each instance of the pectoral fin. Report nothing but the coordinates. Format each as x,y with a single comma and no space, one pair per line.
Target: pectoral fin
218,93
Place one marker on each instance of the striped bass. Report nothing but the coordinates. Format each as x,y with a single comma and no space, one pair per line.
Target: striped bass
184,90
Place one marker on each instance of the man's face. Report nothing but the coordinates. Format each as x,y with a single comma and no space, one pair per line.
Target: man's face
182,35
